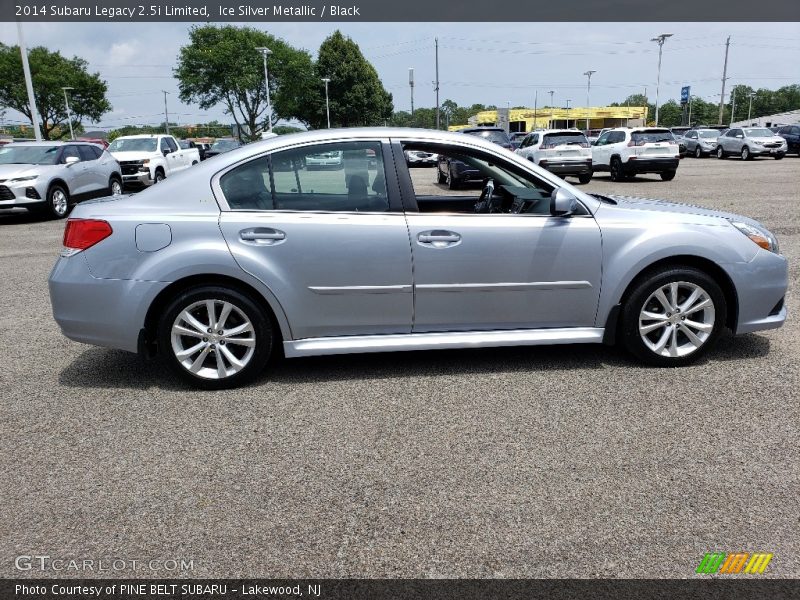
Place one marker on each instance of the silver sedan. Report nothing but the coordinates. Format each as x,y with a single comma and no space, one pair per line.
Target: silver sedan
48,177
253,253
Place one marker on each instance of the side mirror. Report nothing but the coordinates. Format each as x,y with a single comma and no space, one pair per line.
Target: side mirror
165,152
71,160
562,203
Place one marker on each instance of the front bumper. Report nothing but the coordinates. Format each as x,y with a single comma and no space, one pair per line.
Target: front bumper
761,288
761,151
102,312
22,194
567,167
138,178
651,165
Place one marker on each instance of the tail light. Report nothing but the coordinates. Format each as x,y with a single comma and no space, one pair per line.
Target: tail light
80,234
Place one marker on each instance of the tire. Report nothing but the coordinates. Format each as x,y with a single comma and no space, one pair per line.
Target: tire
439,177
194,162
697,152
746,153
664,348
617,172
584,179
452,182
214,350
114,186
720,153
159,176
57,204
667,175
779,156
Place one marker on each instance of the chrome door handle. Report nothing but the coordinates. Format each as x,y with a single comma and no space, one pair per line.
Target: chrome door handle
439,239
262,235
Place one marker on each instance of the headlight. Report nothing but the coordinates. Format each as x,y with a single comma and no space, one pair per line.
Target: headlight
21,179
764,238
757,143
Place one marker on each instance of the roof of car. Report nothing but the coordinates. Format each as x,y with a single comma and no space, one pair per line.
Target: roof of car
141,136
53,143
570,130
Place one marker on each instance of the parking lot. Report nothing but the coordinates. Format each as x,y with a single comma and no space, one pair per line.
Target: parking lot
567,461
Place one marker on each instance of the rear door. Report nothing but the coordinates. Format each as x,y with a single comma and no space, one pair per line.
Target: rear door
331,243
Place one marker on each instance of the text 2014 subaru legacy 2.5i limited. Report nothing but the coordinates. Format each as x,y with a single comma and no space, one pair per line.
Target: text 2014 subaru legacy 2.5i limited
218,266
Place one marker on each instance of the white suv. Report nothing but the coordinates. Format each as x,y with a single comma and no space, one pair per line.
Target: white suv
560,151
626,152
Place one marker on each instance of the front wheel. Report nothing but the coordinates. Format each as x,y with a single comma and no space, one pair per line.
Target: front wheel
452,182
584,179
697,152
667,175
215,337
720,153
673,316
779,156
746,153
115,187
57,202
439,177
159,177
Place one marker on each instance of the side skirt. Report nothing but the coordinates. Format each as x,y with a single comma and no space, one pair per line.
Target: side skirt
439,341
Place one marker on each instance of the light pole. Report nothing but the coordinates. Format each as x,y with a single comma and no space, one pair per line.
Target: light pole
588,90
660,41
69,115
568,101
29,84
750,108
166,113
327,80
551,92
266,52
411,86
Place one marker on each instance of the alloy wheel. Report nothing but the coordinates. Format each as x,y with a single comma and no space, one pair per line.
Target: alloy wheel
116,188
213,339
677,319
59,202
697,152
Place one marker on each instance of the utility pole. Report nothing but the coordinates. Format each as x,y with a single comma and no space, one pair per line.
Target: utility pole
327,103
411,85
266,52
436,42
166,114
733,104
69,116
689,123
535,107
551,92
568,101
660,41
724,78
588,90
29,84
750,108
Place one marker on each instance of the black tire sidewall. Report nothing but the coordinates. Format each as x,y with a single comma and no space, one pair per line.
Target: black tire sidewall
265,336
641,291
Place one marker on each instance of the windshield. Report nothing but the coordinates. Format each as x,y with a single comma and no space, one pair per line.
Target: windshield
567,137
498,136
225,145
651,136
758,132
709,133
133,145
28,155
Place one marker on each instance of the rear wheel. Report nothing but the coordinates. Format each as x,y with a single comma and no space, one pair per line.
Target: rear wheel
673,316
720,152
215,337
440,178
668,175
617,172
586,178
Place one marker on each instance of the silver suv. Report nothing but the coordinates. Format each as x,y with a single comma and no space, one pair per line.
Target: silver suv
748,142
47,177
251,253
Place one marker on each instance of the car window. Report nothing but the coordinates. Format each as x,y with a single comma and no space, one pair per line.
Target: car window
344,177
691,135
795,131
535,139
615,137
564,138
164,147
733,133
70,151
97,150
86,153
133,145
603,139
651,136
173,147
247,187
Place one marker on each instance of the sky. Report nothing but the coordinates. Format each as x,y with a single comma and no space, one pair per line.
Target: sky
488,63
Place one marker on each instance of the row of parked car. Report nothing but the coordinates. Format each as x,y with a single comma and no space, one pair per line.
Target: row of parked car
623,152
48,177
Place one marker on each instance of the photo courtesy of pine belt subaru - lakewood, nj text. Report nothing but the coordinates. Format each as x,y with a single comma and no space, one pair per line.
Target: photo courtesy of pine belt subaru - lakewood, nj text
219,265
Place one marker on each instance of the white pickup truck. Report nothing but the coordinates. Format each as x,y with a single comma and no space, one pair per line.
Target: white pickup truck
148,159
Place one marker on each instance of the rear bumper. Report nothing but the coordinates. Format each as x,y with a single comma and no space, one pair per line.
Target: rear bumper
651,165
102,312
568,167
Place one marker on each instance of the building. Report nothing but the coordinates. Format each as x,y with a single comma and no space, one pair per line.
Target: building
528,119
791,117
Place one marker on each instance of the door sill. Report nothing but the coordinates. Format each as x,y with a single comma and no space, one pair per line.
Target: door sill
443,340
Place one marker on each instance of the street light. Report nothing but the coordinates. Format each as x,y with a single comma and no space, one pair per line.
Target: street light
750,108
568,101
588,89
660,41
266,52
551,92
327,80
69,115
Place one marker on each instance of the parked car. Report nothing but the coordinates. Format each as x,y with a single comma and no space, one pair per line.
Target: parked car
701,142
748,142
626,152
516,138
149,159
48,177
189,144
218,269
222,145
324,160
561,151
496,135
791,133
454,172
419,158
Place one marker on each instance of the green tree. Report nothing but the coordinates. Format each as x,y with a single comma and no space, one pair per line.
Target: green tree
221,65
50,72
357,96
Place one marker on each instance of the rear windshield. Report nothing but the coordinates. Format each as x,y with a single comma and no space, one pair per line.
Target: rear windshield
566,137
650,136
498,136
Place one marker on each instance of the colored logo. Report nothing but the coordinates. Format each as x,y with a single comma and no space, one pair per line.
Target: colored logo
734,563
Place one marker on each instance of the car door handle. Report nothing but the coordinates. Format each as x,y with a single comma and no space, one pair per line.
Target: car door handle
438,239
262,236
